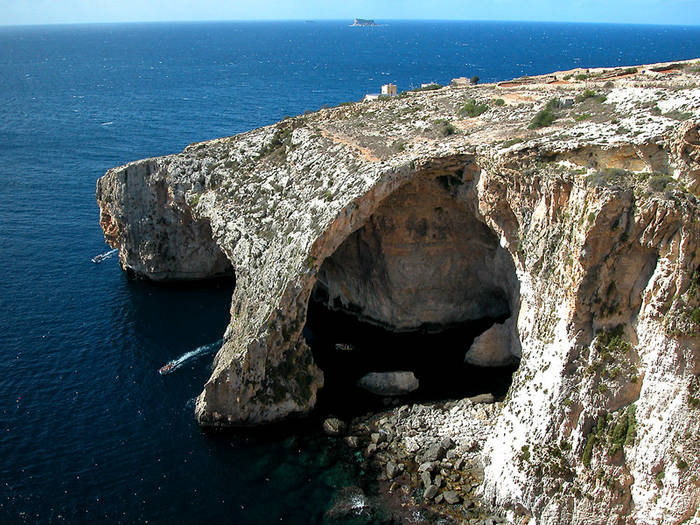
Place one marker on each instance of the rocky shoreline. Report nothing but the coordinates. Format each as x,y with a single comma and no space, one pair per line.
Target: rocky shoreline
426,461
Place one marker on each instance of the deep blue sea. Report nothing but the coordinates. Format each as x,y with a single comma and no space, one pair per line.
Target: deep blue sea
89,432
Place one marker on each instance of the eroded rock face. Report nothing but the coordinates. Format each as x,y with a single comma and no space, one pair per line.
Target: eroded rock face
149,221
584,233
422,258
497,346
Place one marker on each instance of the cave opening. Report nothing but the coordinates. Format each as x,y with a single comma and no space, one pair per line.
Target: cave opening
418,304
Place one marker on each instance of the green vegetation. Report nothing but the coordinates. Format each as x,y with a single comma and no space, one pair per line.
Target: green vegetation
429,87
592,440
475,79
609,345
590,94
659,182
546,116
681,464
444,128
694,393
684,320
472,108
615,436
659,478
400,145
582,116
581,76
499,102
629,71
608,177
525,453
624,431
510,142
612,341
276,149
678,115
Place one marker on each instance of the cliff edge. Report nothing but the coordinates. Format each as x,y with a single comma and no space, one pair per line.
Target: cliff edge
562,208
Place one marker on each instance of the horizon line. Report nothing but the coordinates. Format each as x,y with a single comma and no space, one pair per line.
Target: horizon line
313,20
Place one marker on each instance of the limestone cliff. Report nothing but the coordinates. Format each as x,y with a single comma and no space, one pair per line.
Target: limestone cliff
564,206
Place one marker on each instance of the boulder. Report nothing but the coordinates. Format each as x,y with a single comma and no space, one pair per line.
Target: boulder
430,492
451,497
352,441
494,347
435,452
482,398
389,383
392,470
333,426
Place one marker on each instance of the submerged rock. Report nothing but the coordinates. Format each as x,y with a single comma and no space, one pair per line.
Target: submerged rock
389,383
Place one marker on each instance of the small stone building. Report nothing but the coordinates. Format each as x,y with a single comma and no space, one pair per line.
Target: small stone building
389,89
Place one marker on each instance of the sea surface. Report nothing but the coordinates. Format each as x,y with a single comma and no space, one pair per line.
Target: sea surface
89,431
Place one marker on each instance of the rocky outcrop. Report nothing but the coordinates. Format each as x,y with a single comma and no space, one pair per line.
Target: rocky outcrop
578,239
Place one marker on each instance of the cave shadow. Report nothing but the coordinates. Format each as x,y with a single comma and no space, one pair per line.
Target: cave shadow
410,290
346,349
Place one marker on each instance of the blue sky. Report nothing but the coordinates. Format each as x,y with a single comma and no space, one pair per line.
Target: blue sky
620,11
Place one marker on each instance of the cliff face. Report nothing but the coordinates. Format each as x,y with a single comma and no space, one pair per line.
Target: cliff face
580,238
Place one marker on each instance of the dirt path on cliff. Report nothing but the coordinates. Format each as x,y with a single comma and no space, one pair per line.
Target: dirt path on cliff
347,141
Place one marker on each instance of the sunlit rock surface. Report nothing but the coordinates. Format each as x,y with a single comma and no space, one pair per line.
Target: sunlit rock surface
580,238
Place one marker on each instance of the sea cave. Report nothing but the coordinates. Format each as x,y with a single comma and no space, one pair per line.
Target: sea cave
411,290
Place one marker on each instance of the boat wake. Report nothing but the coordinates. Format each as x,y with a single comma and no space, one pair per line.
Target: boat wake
97,259
200,351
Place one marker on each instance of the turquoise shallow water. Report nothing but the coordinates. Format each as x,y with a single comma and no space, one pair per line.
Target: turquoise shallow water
89,431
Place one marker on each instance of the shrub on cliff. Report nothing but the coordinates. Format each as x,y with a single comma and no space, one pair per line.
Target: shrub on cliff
589,93
609,177
659,181
444,128
546,116
472,109
429,87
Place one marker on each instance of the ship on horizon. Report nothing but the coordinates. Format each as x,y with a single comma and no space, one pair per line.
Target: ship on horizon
363,22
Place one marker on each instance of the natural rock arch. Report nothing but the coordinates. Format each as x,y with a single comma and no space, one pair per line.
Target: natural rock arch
415,285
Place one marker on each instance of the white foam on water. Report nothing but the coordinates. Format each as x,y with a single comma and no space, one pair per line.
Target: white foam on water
104,256
192,354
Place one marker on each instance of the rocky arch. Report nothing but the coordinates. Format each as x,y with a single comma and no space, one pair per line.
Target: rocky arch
266,370
422,284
